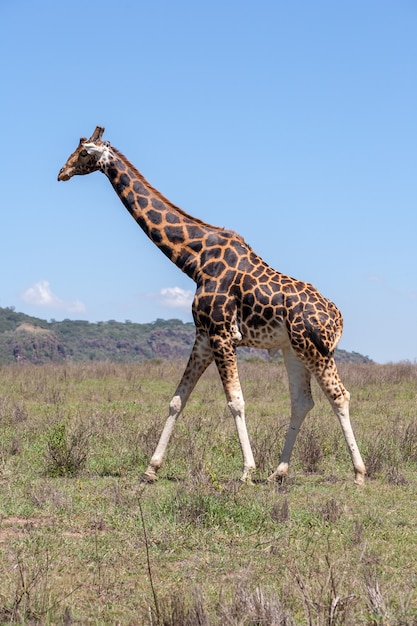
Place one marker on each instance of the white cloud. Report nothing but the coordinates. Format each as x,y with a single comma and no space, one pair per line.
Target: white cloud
379,280
176,297
374,278
40,294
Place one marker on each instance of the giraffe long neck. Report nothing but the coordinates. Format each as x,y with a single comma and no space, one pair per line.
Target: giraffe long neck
177,234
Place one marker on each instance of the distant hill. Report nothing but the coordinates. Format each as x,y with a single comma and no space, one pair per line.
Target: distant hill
26,339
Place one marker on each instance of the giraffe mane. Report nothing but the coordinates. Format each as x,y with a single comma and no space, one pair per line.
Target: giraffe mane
164,199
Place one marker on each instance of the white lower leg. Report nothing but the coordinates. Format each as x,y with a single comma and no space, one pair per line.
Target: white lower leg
200,358
301,404
342,412
339,399
285,457
237,408
158,455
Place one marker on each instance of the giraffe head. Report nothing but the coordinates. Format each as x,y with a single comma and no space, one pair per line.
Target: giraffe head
85,159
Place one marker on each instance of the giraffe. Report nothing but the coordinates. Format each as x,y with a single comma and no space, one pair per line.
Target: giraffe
239,301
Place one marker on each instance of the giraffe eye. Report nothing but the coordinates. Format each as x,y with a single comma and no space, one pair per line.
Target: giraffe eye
83,153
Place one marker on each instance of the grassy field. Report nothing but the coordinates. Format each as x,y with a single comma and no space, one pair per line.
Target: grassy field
82,542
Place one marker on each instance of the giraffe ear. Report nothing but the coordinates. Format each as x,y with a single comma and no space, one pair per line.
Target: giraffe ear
92,148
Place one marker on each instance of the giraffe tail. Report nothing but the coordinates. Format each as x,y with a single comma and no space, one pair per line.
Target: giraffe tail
325,337
316,338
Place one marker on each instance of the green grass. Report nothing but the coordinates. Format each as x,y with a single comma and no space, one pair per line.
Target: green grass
82,542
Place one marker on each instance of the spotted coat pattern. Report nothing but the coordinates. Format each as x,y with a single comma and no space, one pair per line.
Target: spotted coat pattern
239,301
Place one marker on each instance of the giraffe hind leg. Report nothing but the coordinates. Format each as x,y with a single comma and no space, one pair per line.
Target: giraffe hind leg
200,358
338,396
301,403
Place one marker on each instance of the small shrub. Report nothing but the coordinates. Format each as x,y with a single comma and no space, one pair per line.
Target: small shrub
66,452
409,442
331,511
281,512
375,600
177,611
267,443
310,448
383,455
255,607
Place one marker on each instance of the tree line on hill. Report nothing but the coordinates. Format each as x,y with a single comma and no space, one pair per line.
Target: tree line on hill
27,339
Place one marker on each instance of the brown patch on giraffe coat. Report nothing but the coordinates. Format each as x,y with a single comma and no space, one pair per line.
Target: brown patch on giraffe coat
140,188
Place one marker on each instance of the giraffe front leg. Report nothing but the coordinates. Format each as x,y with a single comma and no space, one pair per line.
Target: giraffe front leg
237,408
200,358
227,366
175,407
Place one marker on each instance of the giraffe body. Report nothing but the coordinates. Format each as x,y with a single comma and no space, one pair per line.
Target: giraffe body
239,301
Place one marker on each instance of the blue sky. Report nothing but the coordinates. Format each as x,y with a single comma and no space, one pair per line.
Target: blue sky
293,123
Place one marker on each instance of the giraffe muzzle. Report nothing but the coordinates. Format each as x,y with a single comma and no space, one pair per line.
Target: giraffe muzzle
63,175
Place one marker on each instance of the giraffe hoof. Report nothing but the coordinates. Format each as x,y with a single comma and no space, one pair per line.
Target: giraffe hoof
247,476
360,479
149,477
276,478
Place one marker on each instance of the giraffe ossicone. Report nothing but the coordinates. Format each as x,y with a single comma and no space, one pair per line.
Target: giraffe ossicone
239,301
